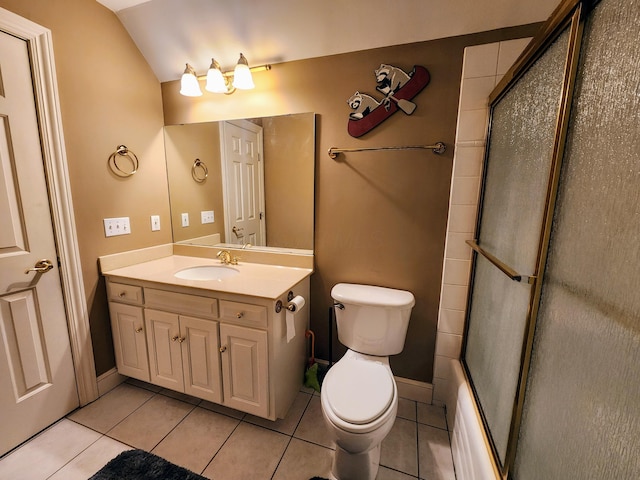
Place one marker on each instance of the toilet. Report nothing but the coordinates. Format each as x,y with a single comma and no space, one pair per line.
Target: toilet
359,395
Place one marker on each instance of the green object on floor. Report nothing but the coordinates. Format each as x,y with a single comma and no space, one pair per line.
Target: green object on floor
311,378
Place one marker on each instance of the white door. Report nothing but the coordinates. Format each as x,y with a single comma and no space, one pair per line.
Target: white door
37,379
243,182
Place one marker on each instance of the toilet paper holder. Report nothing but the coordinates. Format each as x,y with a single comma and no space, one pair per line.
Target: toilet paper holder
279,304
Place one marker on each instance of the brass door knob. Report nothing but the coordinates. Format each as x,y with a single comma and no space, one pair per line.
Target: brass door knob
223,349
41,266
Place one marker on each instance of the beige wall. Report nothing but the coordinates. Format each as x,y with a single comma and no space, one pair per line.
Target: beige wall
109,96
185,143
380,217
288,177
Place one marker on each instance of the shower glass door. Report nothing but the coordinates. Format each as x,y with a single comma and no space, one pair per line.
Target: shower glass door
581,414
520,172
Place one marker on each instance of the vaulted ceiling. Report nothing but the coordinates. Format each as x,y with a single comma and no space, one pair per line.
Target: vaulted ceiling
170,33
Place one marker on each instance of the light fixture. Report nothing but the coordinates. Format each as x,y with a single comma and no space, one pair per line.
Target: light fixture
218,81
189,86
242,78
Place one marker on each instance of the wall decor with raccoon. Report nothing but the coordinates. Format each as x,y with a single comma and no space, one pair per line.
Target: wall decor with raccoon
398,87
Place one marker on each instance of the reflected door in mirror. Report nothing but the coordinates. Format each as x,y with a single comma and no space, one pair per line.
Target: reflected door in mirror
243,178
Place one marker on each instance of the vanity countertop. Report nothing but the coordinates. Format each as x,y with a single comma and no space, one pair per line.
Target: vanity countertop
254,279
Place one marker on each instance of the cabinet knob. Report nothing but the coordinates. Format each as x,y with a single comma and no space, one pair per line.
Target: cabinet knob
239,314
122,294
176,338
223,349
138,330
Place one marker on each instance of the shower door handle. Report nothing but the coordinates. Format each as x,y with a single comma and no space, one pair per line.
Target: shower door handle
500,265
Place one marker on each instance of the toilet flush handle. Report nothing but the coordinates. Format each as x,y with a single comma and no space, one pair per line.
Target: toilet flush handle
338,305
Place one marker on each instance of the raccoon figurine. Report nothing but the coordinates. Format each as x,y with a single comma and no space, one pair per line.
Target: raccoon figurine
362,104
390,79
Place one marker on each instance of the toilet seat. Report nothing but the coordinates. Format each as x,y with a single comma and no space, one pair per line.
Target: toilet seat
359,391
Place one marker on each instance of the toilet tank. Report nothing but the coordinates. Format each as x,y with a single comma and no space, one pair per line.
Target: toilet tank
372,320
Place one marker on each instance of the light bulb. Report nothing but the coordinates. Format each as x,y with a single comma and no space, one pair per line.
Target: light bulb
216,82
189,86
242,78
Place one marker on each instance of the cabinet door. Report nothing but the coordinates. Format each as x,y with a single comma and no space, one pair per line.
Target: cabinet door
165,352
244,369
130,346
201,359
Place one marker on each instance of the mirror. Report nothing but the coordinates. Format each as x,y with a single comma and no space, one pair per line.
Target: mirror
210,166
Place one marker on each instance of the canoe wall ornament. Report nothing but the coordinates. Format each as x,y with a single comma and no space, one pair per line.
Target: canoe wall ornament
398,87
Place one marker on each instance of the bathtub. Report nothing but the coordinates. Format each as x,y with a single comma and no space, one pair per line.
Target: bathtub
469,446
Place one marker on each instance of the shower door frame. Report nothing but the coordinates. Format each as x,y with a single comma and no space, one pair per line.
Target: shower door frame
570,14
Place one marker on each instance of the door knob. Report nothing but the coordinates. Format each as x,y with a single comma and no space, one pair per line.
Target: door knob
41,266
223,349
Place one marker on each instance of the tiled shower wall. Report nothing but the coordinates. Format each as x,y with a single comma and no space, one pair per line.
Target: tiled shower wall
483,67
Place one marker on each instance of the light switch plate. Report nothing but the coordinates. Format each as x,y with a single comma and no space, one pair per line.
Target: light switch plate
155,223
185,219
116,226
206,216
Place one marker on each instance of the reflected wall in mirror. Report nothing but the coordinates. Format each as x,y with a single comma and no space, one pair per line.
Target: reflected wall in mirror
285,146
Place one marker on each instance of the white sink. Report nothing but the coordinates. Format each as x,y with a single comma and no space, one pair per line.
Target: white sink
206,272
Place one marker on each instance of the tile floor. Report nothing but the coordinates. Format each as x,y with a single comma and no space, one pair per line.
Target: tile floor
221,443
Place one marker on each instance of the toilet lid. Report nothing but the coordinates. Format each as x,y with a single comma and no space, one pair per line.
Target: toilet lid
359,391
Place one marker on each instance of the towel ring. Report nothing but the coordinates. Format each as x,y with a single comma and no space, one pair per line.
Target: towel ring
123,151
199,171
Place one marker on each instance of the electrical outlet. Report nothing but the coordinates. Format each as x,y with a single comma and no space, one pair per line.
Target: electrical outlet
206,216
155,223
116,226
185,219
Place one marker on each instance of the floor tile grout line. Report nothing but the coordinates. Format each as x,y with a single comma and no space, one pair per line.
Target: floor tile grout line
446,421
284,452
33,437
417,442
79,453
193,407
123,419
221,446
276,430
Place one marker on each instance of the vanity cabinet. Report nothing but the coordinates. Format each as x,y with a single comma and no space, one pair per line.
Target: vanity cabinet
183,354
245,370
225,348
127,327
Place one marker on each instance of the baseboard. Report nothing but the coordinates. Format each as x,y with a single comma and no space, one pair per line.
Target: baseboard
109,380
414,390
